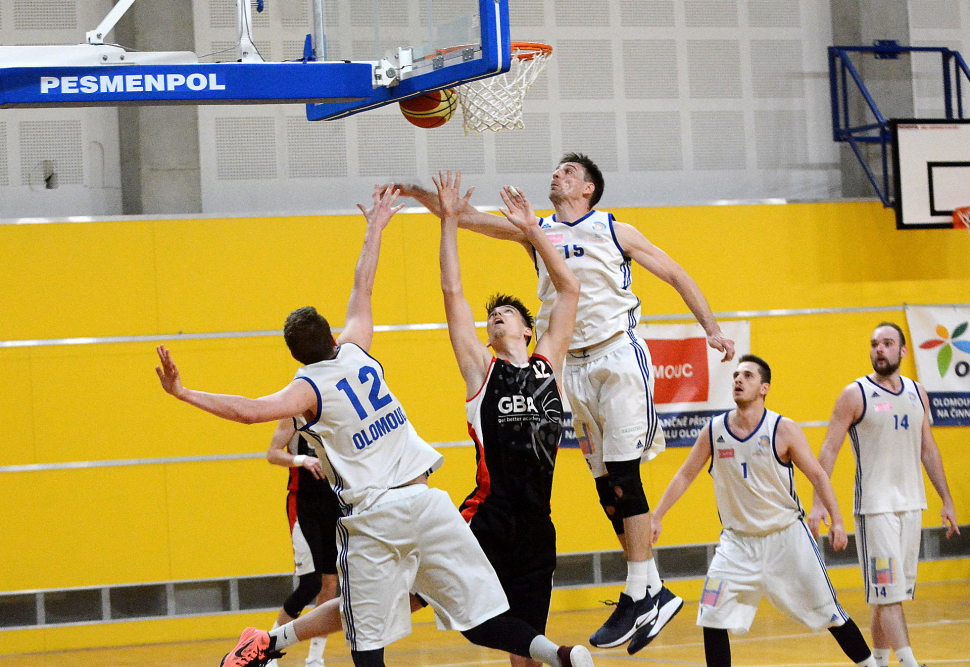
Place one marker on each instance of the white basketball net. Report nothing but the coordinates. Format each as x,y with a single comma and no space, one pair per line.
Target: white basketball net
496,103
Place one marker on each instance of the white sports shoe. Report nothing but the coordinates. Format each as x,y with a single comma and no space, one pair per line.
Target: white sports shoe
313,662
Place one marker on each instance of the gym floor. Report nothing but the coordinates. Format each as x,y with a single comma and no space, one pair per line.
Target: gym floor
939,627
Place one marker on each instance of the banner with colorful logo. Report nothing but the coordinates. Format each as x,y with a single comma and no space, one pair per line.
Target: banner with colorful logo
941,346
691,385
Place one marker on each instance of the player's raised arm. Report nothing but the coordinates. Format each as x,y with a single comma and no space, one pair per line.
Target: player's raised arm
277,453
847,411
792,445
494,226
659,263
295,399
699,455
562,319
933,463
359,325
472,355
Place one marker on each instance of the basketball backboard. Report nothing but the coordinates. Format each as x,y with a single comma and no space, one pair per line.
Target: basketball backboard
396,48
931,163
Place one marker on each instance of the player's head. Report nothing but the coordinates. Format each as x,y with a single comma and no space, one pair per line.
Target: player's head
887,348
577,175
507,316
307,334
752,379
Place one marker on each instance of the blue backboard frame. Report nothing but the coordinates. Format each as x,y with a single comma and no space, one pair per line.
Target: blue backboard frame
496,58
330,89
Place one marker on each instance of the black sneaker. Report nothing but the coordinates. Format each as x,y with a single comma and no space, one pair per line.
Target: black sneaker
624,621
668,605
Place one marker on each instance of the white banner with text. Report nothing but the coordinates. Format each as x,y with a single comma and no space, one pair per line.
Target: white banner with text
941,346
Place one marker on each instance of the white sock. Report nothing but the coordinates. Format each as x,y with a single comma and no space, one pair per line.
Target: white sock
637,578
543,650
317,644
905,657
654,582
881,655
285,636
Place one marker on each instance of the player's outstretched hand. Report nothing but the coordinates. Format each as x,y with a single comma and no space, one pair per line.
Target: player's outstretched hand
816,518
168,372
837,537
655,528
518,210
383,209
949,519
722,343
405,190
450,201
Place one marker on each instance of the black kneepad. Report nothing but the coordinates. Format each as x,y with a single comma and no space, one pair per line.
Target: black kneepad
608,501
308,589
624,479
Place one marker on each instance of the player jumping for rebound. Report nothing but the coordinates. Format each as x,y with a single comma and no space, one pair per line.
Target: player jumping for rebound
514,411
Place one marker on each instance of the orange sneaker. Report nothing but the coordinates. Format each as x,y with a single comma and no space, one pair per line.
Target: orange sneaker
253,650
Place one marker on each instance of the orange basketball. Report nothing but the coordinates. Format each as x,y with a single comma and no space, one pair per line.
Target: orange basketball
431,109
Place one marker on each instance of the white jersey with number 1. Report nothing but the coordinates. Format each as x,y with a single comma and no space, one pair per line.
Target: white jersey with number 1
368,445
887,443
754,490
607,305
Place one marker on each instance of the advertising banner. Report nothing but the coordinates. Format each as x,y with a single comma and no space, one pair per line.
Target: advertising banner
941,346
691,385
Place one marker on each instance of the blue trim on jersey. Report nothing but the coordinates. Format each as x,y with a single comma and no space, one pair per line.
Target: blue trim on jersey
756,428
573,224
319,401
366,353
860,543
710,435
821,564
902,386
652,420
343,537
774,449
616,241
865,404
857,450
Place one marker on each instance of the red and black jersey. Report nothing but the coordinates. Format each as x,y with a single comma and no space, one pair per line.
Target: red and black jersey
515,420
302,481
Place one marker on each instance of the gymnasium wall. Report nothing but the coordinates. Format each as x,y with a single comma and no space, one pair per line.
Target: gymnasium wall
161,522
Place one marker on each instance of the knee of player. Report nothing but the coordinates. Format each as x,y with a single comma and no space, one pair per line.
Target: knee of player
623,478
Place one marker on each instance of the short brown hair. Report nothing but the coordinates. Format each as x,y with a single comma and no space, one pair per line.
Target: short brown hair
593,175
307,334
762,365
497,300
893,325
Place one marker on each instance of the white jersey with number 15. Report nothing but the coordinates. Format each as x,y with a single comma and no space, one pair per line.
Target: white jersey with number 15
607,305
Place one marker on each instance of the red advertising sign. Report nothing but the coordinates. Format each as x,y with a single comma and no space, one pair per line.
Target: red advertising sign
680,370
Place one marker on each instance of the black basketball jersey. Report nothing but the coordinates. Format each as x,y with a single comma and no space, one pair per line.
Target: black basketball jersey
301,481
516,422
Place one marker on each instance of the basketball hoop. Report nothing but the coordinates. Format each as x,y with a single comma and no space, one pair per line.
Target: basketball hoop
961,218
496,103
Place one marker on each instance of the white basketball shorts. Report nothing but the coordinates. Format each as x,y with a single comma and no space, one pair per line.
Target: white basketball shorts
888,548
413,540
784,566
610,392
302,556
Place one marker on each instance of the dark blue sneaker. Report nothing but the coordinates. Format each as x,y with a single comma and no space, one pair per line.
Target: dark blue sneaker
628,616
667,605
